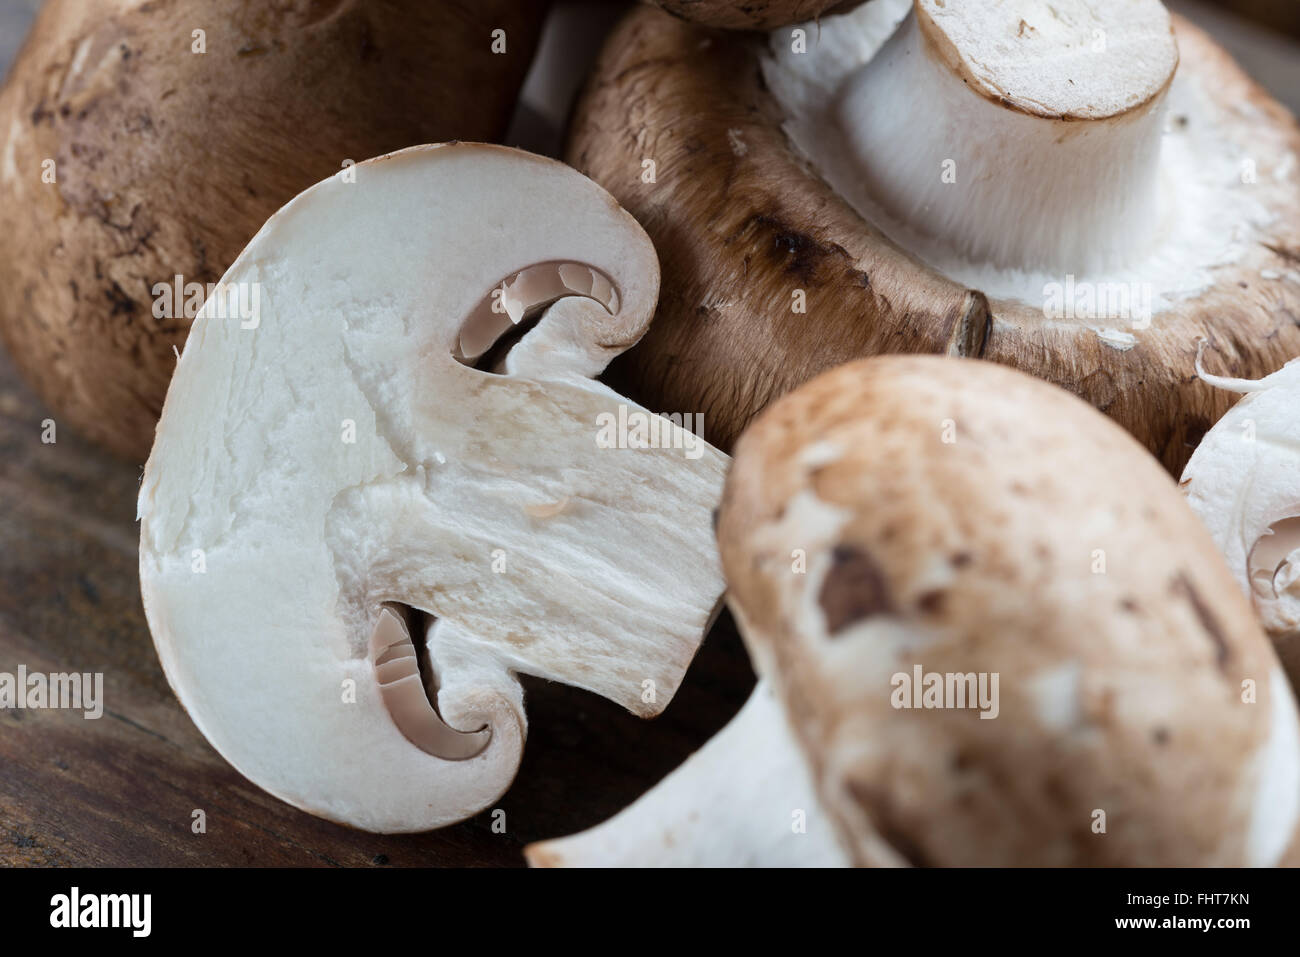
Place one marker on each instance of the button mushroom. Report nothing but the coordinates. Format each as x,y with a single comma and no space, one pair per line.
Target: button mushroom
989,631
1079,189
143,144
354,535
1244,482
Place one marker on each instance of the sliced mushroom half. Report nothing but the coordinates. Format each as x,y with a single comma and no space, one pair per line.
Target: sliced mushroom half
353,541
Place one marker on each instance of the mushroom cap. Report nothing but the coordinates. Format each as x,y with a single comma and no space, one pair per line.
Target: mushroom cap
333,459
969,519
168,161
752,14
742,223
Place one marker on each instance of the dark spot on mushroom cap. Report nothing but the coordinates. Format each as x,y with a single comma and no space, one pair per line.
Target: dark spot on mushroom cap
797,252
1182,585
1055,787
931,602
854,589
120,304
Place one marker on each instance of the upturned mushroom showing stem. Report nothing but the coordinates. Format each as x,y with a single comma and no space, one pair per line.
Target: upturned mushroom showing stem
1079,190
1026,135
988,631
353,540
1010,145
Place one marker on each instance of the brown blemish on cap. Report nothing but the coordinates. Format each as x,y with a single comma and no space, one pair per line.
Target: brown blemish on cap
932,602
854,589
1183,585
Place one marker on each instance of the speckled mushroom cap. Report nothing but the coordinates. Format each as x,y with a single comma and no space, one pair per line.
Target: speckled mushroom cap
964,517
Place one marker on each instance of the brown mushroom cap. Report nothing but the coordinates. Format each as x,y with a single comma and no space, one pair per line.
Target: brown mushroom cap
168,161
1121,683
752,14
741,221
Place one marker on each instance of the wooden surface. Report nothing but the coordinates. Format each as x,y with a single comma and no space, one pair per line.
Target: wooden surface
121,790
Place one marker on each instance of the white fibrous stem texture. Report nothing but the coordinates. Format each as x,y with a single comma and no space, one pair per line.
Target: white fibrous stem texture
1025,146
1025,134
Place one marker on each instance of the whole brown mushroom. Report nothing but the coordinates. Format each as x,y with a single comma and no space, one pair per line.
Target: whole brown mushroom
141,142
988,632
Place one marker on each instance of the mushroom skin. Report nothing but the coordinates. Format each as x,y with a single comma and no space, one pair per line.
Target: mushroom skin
743,224
859,542
336,461
752,14
168,161
1243,480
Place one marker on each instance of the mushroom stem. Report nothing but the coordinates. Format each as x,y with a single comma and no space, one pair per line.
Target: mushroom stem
745,799
1026,137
